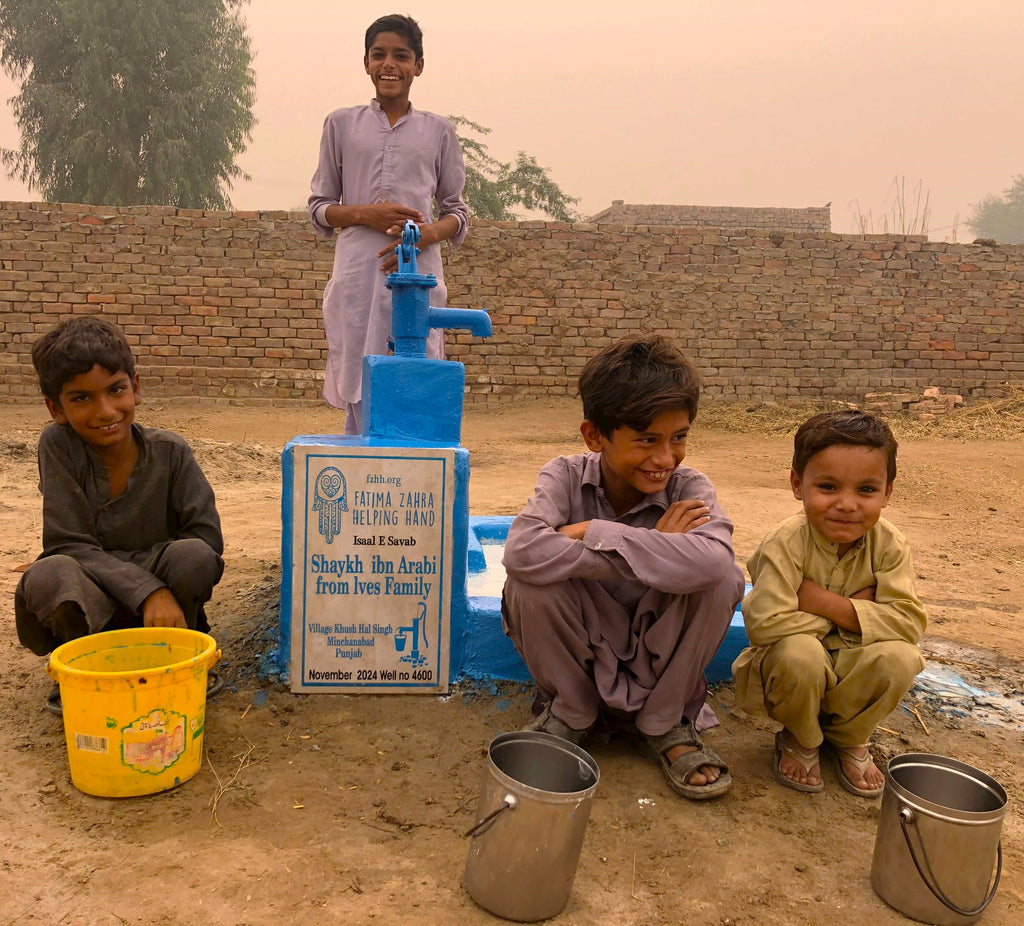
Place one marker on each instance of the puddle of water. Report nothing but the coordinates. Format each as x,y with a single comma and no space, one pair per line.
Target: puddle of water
490,582
945,690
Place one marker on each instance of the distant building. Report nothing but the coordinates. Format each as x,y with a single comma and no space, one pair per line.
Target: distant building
811,219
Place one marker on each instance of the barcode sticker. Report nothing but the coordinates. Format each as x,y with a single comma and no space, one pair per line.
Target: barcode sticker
90,743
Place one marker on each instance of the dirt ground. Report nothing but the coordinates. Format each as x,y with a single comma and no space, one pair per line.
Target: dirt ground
352,809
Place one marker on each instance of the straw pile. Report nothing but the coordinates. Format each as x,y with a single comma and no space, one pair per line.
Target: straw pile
997,419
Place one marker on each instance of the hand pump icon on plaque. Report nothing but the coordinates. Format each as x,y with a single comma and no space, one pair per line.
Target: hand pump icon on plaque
418,626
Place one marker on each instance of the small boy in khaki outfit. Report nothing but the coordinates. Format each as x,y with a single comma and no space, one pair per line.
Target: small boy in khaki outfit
833,618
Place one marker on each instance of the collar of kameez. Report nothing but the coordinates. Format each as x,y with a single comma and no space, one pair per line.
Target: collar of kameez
375,106
99,467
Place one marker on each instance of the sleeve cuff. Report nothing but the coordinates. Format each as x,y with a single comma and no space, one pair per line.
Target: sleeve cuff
319,218
865,617
603,536
143,593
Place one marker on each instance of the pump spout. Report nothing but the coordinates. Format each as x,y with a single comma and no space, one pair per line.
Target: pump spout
476,321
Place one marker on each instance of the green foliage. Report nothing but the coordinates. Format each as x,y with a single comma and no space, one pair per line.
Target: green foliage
1001,217
494,188
129,102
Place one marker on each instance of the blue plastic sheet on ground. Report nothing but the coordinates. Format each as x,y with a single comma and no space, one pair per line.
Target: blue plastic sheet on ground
946,691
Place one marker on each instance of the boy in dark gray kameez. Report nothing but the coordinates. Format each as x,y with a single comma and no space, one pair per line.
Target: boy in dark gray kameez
621,575
131,535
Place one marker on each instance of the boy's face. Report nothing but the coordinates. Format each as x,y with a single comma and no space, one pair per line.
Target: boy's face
392,65
844,489
638,463
100,407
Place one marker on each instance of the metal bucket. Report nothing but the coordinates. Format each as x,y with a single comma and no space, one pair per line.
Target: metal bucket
938,839
534,803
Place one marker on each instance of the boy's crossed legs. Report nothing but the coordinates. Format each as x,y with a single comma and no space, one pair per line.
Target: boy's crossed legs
836,695
57,600
589,653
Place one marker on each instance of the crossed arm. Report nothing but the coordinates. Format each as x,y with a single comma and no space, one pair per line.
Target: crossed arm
686,550
784,601
680,518
839,609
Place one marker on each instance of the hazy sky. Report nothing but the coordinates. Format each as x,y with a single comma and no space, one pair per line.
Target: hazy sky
714,102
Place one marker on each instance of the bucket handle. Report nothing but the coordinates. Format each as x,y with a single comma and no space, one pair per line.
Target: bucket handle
907,817
508,802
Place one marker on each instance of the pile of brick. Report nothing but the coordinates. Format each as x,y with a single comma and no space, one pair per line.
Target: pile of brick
928,405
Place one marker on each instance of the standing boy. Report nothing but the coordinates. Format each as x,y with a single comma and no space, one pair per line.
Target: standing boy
381,165
833,617
621,575
131,536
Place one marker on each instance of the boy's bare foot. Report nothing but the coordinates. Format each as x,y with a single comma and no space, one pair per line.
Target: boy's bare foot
796,766
857,771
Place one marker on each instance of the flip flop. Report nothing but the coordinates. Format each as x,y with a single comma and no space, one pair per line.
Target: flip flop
678,773
214,684
838,753
807,759
53,702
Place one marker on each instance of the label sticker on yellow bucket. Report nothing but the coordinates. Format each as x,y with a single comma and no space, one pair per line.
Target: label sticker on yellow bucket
90,743
154,742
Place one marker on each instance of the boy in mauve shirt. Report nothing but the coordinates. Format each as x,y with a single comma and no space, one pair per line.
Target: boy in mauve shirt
621,575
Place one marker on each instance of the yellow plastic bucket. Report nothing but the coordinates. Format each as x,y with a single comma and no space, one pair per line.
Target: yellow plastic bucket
134,707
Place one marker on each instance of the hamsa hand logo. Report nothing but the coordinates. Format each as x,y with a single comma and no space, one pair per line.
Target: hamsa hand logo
330,498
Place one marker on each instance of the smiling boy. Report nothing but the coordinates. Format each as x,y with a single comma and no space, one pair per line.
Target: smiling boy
380,165
621,579
833,617
131,535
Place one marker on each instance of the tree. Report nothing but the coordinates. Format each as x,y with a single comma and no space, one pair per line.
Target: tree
1001,217
127,102
494,188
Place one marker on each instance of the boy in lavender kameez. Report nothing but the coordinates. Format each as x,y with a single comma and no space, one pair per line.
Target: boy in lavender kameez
621,575
381,165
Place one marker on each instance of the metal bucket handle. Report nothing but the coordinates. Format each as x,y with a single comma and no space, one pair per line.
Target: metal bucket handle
508,802
907,817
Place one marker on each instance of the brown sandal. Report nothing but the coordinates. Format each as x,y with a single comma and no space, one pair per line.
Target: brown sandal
549,723
678,773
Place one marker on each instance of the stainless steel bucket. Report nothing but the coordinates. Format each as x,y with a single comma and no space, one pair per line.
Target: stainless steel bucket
534,803
938,839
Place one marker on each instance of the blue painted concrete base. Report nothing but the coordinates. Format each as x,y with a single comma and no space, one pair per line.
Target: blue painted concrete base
413,399
487,654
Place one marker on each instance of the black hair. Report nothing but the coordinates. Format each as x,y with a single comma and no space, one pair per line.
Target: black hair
74,346
850,426
634,380
405,26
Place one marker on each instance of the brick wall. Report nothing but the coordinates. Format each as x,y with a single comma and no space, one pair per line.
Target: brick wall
810,219
227,305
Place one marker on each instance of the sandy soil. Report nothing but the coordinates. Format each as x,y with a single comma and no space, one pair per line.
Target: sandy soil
352,809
